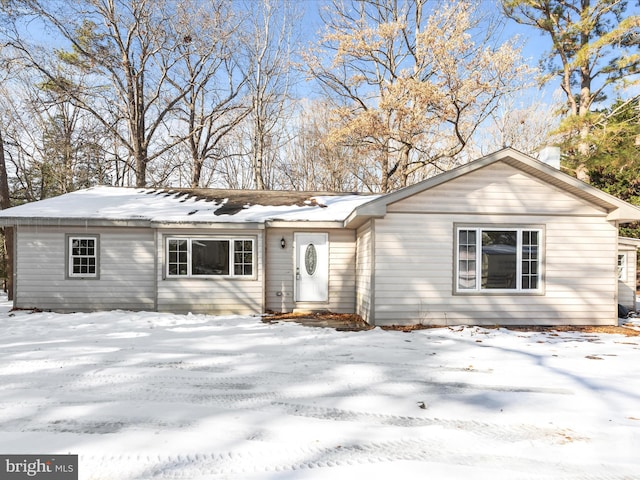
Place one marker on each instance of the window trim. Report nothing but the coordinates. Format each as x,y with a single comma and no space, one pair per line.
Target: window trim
70,237
230,239
623,271
478,290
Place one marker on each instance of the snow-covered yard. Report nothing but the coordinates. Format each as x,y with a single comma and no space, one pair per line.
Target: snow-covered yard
148,395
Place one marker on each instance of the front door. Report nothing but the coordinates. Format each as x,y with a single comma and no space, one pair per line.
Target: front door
312,267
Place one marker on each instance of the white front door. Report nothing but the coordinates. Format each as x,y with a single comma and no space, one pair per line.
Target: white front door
312,267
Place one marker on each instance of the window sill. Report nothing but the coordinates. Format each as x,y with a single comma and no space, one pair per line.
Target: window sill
210,277
504,293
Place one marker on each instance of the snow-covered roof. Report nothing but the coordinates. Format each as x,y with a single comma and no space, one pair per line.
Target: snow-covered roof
119,204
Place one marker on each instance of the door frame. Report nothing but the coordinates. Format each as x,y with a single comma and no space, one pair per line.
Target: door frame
296,245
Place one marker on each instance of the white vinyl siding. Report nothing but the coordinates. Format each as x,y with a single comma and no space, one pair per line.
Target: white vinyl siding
211,294
419,288
415,254
280,271
364,272
126,268
496,189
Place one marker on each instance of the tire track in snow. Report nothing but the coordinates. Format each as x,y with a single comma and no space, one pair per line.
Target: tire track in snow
502,432
290,459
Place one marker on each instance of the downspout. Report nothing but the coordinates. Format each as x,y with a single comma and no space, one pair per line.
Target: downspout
159,253
264,263
372,301
616,295
14,263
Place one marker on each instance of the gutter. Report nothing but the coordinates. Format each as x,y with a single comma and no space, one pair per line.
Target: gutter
100,222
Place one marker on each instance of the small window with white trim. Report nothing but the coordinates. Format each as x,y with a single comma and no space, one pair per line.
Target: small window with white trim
209,257
622,267
82,254
497,259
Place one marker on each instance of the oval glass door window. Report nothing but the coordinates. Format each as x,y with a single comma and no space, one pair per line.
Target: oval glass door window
311,259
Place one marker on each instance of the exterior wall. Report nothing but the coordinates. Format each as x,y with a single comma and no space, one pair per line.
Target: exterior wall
496,189
364,272
280,271
415,243
627,284
126,268
216,296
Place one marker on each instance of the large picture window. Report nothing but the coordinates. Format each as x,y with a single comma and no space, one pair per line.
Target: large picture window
210,257
82,255
498,259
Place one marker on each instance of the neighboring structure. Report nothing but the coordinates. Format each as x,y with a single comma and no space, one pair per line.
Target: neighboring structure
505,239
627,274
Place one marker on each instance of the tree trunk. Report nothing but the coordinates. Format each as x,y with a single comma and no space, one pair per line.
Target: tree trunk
141,170
258,154
196,173
5,202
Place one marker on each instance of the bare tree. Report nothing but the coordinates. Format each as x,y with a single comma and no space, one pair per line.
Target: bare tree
213,105
5,194
53,146
130,50
268,47
519,122
311,161
412,86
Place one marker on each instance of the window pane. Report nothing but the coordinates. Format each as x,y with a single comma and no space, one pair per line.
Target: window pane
83,256
499,257
243,257
210,257
467,259
622,267
506,259
530,260
177,258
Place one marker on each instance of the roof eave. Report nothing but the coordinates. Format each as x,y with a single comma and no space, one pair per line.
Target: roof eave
617,210
216,225
363,213
635,242
71,222
304,223
625,214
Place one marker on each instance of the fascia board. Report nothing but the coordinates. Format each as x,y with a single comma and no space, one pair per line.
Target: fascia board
303,224
71,222
212,225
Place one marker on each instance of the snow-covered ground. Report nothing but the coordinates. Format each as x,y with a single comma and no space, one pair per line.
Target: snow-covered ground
148,395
